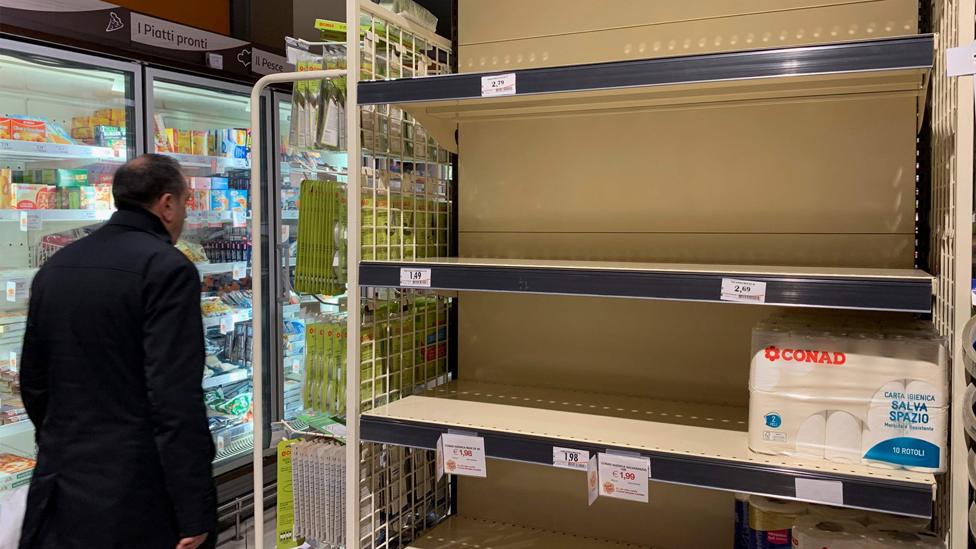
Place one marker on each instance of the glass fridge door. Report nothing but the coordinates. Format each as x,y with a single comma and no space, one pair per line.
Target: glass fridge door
205,124
67,122
296,312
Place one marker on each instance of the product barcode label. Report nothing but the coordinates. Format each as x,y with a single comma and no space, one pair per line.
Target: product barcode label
746,291
499,84
415,278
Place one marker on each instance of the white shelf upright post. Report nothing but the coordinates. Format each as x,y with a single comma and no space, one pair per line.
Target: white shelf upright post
257,290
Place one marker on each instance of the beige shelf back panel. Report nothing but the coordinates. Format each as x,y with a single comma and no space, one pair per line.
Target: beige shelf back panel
458,531
510,34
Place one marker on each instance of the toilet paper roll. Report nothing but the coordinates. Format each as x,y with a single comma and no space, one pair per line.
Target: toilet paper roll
971,465
879,427
883,520
814,532
812,436
927,438
843,443
829,512
968,341
968,416
884,537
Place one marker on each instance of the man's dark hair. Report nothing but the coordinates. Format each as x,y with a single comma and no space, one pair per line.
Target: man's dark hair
141,181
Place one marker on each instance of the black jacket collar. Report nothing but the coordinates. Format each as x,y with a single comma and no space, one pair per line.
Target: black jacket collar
144,220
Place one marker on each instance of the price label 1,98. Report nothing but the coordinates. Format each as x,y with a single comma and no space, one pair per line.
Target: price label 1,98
462,455
415,278
745,291
624,477
568,458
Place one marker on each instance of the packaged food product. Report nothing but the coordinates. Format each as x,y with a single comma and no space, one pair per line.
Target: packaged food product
184,142
201,141
28,196
237,200
198,201
110,136
6,179
5,129
219,200
34,131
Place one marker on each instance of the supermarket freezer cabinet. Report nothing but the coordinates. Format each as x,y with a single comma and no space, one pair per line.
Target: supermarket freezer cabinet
67,122
205,125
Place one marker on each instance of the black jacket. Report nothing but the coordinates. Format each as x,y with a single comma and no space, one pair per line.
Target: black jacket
111,378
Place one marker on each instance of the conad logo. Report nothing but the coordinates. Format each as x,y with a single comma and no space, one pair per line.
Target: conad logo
774,353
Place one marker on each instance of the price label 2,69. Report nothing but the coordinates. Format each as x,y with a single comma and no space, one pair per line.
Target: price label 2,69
746,291
415,278
569,458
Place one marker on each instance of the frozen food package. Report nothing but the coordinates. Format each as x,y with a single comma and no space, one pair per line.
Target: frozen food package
849,388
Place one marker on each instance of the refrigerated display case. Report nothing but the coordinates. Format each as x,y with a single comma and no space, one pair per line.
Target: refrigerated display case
204,124
67,122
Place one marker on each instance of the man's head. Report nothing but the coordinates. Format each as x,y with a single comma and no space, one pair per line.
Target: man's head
153,182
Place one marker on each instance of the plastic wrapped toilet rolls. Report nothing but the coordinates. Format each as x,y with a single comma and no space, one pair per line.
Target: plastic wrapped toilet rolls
850,389
816,532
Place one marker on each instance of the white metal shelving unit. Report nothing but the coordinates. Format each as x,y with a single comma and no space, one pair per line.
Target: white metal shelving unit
687,444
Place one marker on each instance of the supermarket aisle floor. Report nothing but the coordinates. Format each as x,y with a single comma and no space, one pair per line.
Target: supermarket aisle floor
227,541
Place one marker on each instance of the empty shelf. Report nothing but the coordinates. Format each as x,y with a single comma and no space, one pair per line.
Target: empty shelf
908,290
884,65
687,443
457,531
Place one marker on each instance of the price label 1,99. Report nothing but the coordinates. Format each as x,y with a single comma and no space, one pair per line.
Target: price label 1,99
624,477
568,458
745,291
462,455
415,278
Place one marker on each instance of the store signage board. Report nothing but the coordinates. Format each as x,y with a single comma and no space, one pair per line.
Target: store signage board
92,20
189,44
263,62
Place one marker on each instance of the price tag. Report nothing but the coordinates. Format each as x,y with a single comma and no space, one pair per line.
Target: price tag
568,458
747,291
592,479
238,219
624,477
439,460
226,324
463,455
239,270
497,85
415,278
220,443
5,145
285,233
13,360
240,316
30,221
820,491
11,291
296,366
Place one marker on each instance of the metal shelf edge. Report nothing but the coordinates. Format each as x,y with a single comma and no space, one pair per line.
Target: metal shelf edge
881,294
889,496
912,52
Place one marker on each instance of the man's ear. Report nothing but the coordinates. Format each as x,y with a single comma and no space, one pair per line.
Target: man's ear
167,206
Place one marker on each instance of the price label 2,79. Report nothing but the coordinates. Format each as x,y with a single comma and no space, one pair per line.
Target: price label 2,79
745,291
415,278
568,458
499,84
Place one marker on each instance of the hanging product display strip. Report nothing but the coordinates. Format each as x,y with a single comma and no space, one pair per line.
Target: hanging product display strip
867,56
906,290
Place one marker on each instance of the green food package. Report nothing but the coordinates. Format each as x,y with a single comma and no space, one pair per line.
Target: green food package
285,516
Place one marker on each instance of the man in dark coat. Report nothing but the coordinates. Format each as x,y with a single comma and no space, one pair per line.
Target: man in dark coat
111,378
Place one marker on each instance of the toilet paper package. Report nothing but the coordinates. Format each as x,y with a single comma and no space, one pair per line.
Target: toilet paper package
816,532
849,389
771,522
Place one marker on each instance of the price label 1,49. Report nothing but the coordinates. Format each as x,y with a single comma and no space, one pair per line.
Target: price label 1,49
745,291
415,278
462,455
624,477
568,458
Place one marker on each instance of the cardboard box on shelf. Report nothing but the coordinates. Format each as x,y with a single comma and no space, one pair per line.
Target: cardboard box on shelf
28,196
34,131
5,128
